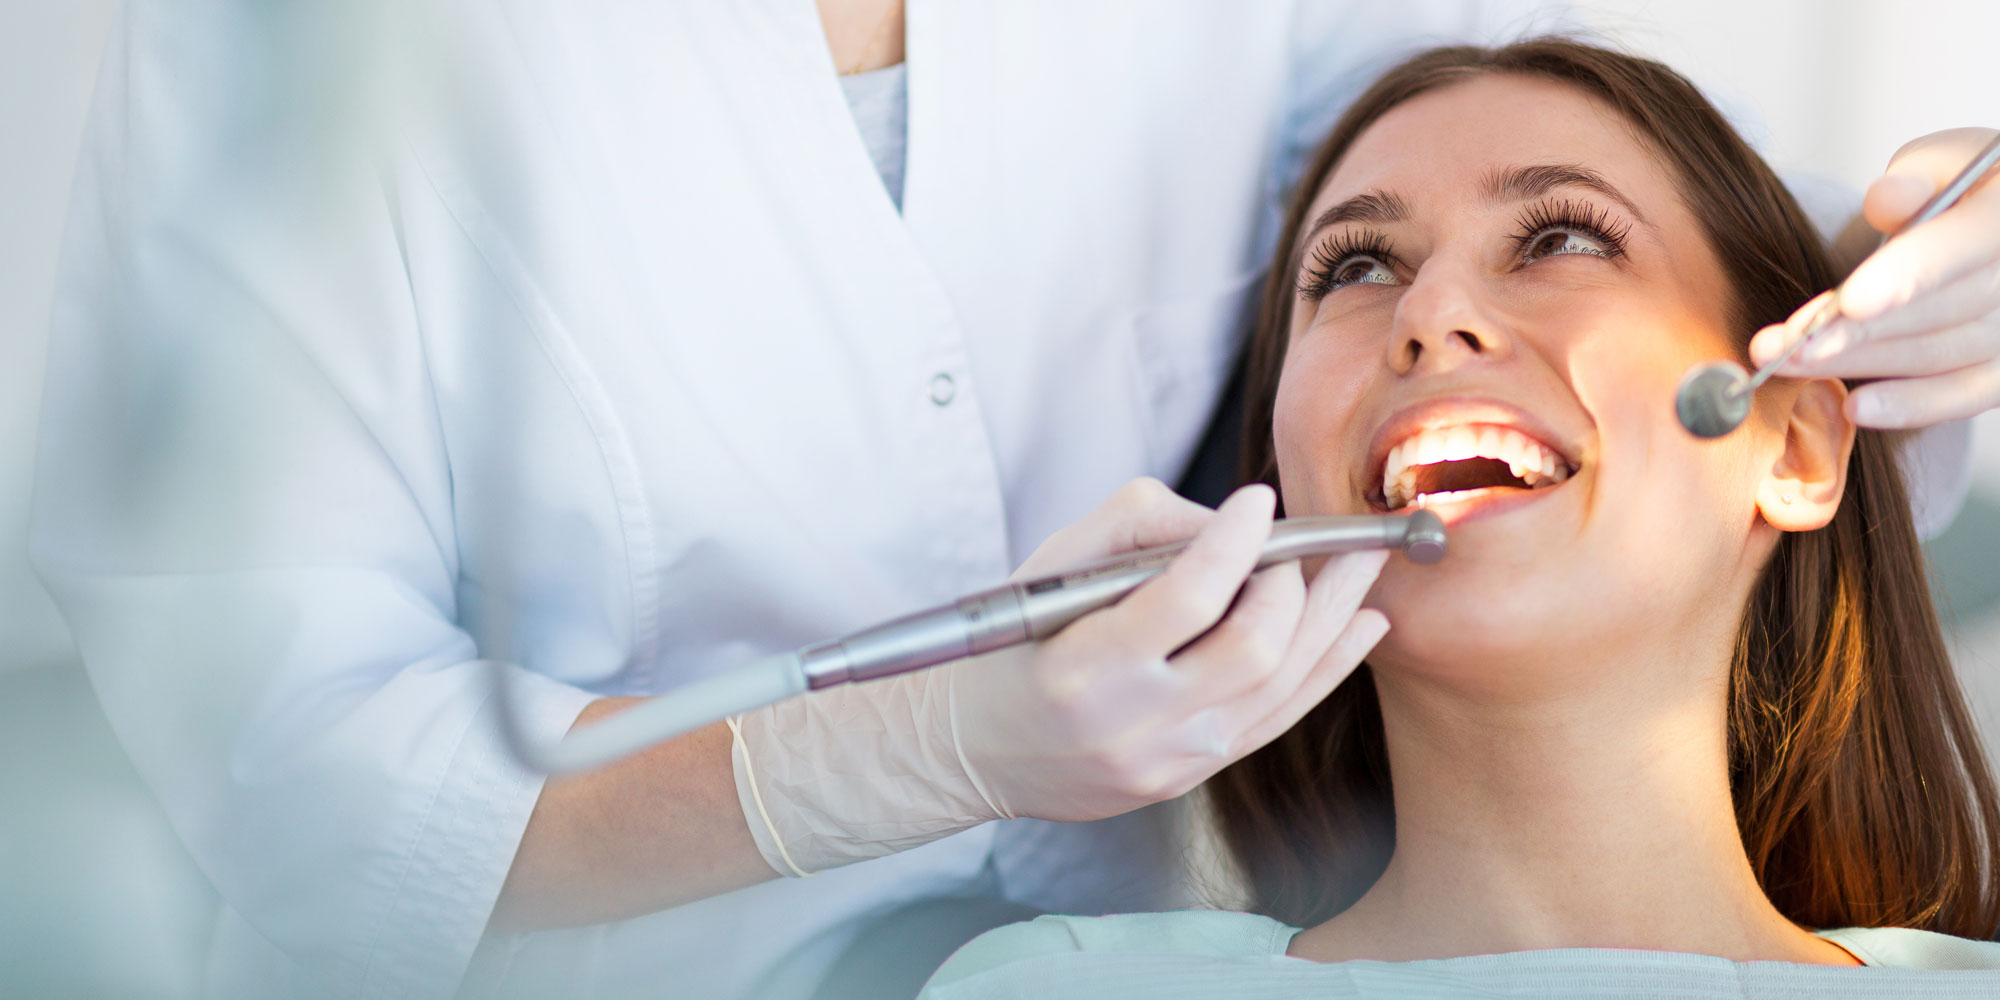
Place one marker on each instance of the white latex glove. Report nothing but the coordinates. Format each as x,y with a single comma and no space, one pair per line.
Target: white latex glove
1110,714
1923,314
1134,704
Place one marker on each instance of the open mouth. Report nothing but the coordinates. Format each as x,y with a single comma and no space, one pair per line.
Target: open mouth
1450,464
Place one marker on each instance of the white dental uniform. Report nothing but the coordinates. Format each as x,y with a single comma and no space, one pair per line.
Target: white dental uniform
625,371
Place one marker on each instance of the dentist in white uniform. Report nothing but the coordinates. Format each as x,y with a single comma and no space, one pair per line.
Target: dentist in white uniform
620,356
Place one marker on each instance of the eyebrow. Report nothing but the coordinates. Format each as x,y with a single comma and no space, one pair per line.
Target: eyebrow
1523,183
1510,184
1372,206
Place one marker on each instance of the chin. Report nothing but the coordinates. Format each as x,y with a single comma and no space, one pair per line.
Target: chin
1489,613
1469,621
1516,582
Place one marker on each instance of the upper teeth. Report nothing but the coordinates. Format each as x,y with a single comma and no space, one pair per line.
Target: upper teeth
1526,457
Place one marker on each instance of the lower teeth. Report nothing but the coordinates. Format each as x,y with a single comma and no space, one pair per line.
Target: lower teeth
1425,499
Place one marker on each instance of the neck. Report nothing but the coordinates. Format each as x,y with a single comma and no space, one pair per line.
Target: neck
862,35
1589,818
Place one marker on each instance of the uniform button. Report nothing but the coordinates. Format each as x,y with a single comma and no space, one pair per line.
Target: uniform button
943,389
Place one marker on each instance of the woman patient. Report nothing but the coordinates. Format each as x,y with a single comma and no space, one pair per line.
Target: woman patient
1670,705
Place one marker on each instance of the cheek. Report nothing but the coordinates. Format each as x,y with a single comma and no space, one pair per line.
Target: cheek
1679,506
1313,423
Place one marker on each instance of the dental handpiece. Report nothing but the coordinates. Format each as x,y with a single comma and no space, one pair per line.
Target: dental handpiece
1030,610
1007,615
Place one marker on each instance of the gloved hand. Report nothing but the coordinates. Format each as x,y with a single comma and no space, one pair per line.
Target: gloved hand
1922,316
1129,705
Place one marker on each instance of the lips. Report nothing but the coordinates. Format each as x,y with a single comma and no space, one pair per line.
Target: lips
1451,451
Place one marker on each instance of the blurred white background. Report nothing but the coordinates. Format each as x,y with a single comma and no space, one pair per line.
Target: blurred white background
95,896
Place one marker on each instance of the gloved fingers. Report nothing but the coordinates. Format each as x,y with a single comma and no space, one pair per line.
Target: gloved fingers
1969,298
1772,340
1147,512
1892,198
1337,590
1933,353
1950,328
1142,514
1920,402
1961,300
1331,606
1212,738
1244,650
1118,692
1346,653
1920,167
1962,240
1196,588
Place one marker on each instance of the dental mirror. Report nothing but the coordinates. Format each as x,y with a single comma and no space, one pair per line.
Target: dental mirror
1714,398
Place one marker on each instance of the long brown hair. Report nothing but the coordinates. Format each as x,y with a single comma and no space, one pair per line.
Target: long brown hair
1861,791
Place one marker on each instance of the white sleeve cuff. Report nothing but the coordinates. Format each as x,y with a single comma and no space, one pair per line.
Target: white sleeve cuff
467,843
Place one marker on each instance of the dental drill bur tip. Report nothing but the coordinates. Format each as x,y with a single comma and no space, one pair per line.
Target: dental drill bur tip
1712,400
1423,537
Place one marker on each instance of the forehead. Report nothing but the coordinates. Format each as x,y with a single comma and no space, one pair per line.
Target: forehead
1445,142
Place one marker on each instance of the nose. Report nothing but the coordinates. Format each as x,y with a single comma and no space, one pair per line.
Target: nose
1446,319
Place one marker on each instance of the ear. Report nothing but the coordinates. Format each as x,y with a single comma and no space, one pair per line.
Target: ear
1804,486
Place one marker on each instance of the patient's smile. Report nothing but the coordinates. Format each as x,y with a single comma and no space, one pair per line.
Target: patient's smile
1446,464
1452,452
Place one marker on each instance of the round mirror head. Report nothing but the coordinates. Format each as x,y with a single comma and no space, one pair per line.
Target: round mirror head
1713,399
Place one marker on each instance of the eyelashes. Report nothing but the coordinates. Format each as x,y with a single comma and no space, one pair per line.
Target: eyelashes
1582,217
1330,258
1330,263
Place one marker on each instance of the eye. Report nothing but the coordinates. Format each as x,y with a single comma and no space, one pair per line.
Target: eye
1561,228
1361,271
1348,259
1555,242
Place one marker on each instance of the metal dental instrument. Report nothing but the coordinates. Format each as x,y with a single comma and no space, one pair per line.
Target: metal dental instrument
1714,398
1007,615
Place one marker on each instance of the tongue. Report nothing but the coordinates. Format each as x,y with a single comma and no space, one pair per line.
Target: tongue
1466,474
